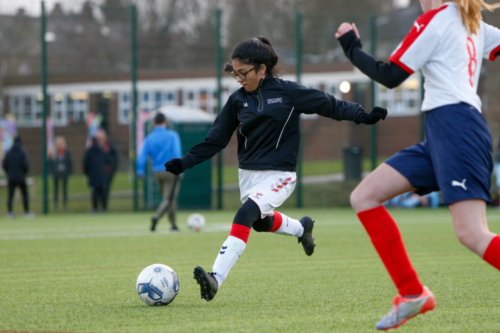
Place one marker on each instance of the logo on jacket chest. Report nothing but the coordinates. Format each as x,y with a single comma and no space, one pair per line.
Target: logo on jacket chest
274,100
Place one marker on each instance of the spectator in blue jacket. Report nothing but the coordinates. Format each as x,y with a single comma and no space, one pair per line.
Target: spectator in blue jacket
162,145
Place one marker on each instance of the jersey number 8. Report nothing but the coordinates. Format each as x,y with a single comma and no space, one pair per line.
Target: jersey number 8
471,48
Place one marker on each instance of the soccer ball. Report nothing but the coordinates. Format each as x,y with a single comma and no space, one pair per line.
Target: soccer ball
157,285
196,222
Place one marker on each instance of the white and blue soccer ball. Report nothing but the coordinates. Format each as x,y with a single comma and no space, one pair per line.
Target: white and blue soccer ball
157,285
196,222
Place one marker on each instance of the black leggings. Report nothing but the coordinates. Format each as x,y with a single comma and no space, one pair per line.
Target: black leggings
98,193
64,180
249,216
12,187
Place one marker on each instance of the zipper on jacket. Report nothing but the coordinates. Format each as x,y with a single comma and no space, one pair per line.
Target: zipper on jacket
284,127
261,102
259,97
246,139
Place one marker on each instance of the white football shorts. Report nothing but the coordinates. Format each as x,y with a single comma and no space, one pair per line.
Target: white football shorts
267,188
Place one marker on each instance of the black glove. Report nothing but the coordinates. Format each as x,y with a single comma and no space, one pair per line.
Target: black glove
174,166
374,116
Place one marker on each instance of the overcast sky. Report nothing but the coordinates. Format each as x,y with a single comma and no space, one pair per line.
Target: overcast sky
33,7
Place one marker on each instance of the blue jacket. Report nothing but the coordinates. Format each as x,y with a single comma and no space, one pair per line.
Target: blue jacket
161,145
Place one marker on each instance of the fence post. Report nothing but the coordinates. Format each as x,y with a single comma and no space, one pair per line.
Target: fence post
373,128
298,73
44,110
133,38
218,69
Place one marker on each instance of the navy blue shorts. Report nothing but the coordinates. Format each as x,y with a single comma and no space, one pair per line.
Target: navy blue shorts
456,156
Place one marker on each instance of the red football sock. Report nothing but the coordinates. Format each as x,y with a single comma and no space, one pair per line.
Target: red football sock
277,222
385,236
492,254
240,231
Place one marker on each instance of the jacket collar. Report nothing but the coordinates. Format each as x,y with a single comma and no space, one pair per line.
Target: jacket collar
262,83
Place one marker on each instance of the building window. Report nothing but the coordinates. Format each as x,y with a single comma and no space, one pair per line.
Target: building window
148,101
58,110
77,107
404,100
158,99
124,108
26,110
204,99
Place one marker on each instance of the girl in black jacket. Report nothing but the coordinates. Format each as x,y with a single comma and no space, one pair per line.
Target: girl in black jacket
265,112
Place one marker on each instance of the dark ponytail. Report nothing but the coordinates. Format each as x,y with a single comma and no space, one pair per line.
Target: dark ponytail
256,51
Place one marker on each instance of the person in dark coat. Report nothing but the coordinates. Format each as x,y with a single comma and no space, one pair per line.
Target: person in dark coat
61,166
111,160
16,167
94,162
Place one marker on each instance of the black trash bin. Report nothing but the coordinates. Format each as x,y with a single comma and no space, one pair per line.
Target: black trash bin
353,162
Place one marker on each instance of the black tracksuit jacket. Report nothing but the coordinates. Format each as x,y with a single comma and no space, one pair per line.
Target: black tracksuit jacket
16,163
267,123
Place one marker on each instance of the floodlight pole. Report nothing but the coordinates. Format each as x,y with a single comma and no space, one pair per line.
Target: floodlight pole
373,128
298,73
133,39
218,69
44,110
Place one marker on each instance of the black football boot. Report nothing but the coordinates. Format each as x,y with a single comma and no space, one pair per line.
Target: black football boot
307,240
208,284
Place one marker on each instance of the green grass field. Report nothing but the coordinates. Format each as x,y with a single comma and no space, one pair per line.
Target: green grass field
77,273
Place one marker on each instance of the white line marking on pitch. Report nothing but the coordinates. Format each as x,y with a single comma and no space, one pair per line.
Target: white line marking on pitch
138,231
101,234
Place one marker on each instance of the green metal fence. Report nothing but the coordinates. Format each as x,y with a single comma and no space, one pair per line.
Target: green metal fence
118,58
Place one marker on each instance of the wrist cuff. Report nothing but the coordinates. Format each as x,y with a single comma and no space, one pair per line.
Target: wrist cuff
349,41
186,162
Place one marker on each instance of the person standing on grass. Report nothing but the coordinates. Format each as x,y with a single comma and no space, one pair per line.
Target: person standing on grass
61,166
16,167
448,43
162,145
111,165
94,162
265,112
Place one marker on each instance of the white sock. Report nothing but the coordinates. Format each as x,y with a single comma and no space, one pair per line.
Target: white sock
230,251
290,227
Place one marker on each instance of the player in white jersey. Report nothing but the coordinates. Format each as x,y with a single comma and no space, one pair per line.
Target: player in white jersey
448,43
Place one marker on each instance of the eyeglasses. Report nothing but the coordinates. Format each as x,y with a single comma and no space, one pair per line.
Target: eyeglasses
242,76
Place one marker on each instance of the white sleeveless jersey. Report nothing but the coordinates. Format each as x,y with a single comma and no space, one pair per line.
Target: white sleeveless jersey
450,58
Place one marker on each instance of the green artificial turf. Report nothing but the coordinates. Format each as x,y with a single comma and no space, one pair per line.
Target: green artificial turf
77,273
